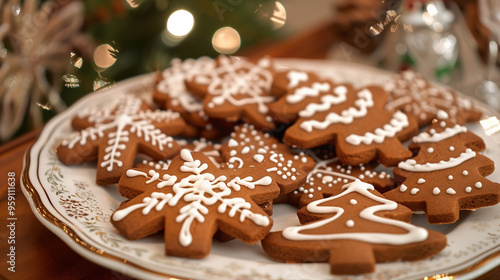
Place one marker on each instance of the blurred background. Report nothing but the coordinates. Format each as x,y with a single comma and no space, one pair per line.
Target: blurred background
54,52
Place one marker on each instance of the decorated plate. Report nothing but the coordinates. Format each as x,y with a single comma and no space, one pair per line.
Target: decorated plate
68,202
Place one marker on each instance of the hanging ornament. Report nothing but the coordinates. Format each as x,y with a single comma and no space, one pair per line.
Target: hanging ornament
35,46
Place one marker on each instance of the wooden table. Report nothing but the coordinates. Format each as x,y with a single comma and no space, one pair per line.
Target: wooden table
39,254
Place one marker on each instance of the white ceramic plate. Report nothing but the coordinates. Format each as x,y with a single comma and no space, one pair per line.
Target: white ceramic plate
67,201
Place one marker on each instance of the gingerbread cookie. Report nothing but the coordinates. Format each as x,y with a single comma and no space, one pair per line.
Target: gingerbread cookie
447,174
236,90
411,93
289,79
352,234
328,177
356,122
115,134
130,186
315,90
248,146
171,93
194,198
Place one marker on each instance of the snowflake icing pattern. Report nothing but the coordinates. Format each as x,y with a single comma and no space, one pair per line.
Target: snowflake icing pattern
199,190
108,133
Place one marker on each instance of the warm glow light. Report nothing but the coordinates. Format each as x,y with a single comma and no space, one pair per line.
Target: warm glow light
279,15
226,40
490,125
180,23
103,57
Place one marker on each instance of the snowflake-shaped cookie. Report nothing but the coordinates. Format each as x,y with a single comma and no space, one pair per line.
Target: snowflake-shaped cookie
235,90
248,146
130,188
192,199
115,134
411,93
171,92
356,122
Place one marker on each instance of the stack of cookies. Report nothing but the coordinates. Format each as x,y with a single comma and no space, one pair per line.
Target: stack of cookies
227,138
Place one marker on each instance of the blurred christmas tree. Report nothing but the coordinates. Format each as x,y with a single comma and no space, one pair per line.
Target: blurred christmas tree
125,38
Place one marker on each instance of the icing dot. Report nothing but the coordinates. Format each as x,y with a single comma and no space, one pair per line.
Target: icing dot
430,150
353,201
468,189
452,148
403,188
465,172
414,191
421,181
284,177
450,177
310,196
436,191
295,192
294,178
443,124
361,176
478,185
450,191
349,223
311,190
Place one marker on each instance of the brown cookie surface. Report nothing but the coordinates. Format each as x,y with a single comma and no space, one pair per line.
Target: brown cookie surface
351,234
115,134
236,89
355,121
411,93
192,200
247,146
447,174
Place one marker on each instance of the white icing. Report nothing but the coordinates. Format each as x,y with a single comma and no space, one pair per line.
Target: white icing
398,122
436,191
437,137
413,234
119,125
412,166
200,189
233,79
173,78
307,91
421,181
450,191
326,102
296,77
364,101
414,191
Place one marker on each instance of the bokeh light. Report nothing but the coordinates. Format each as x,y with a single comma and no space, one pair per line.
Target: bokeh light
180,23
279,15
226,40
103,57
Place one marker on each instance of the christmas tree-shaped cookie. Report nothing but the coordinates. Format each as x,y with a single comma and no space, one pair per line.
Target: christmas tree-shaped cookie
116,133
447,175
355,121
351,231
193,199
